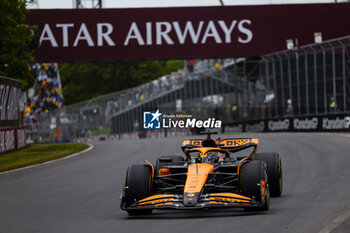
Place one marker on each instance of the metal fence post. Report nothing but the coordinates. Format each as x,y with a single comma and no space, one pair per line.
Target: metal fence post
333,69
324,79
200,87
344,73
315,79
274,84
217,87
235,76
298,81
211,86
282,82
267,75
247,82
206,88
306,83
289,77
190,92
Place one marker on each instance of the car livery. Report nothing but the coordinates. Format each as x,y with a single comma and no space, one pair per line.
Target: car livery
207,176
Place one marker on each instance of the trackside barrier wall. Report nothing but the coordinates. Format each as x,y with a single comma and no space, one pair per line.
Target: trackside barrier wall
12,135
315,123
12,139
10,92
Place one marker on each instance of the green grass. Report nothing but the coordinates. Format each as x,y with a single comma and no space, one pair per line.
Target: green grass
38,153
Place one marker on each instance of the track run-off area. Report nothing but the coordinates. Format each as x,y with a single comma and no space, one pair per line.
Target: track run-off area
81,194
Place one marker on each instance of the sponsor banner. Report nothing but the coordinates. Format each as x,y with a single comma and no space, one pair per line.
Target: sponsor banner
255,127
332,122
12,139
306,124
233,128
10,93
21,138
336,123
279,125
182,32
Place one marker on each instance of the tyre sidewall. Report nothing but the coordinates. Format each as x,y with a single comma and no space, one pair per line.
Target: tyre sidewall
252,174
139,183
274,171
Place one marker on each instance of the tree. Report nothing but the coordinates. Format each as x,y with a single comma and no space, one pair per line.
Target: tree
86,80
17,40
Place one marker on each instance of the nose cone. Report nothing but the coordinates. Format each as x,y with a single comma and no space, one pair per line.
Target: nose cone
196,177
191,199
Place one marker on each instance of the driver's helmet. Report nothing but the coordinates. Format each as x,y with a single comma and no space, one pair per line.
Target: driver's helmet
210,157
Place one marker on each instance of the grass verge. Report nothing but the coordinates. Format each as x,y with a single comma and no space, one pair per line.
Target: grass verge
38,153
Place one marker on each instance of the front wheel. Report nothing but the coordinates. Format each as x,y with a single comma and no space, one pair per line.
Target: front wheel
254,183
138,185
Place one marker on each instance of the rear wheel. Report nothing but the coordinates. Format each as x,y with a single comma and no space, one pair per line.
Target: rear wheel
139,185
274,171
251,176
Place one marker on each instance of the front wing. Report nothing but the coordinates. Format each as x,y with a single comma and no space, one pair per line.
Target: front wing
210,200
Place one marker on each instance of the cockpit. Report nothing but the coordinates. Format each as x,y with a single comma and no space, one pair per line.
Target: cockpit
210,156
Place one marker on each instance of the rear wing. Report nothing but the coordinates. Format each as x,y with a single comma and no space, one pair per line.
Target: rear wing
237,142
231,144
225,143
193,142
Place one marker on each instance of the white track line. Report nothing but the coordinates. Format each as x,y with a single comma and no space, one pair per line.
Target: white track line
51,161
336,134
344,135
345,214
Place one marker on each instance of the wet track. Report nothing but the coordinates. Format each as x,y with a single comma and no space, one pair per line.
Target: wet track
81,194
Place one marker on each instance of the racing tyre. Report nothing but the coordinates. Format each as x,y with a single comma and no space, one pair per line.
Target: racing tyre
274,171
139,185
251,176
173,160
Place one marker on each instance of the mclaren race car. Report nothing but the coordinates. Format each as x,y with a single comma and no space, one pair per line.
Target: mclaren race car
207,176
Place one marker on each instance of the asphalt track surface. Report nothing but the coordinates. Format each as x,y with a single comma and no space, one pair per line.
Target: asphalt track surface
81,194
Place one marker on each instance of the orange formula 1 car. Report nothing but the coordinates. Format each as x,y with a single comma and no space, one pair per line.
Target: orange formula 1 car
208,176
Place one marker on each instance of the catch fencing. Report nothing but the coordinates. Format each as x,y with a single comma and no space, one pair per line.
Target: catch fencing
311,81
209,90
314,78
